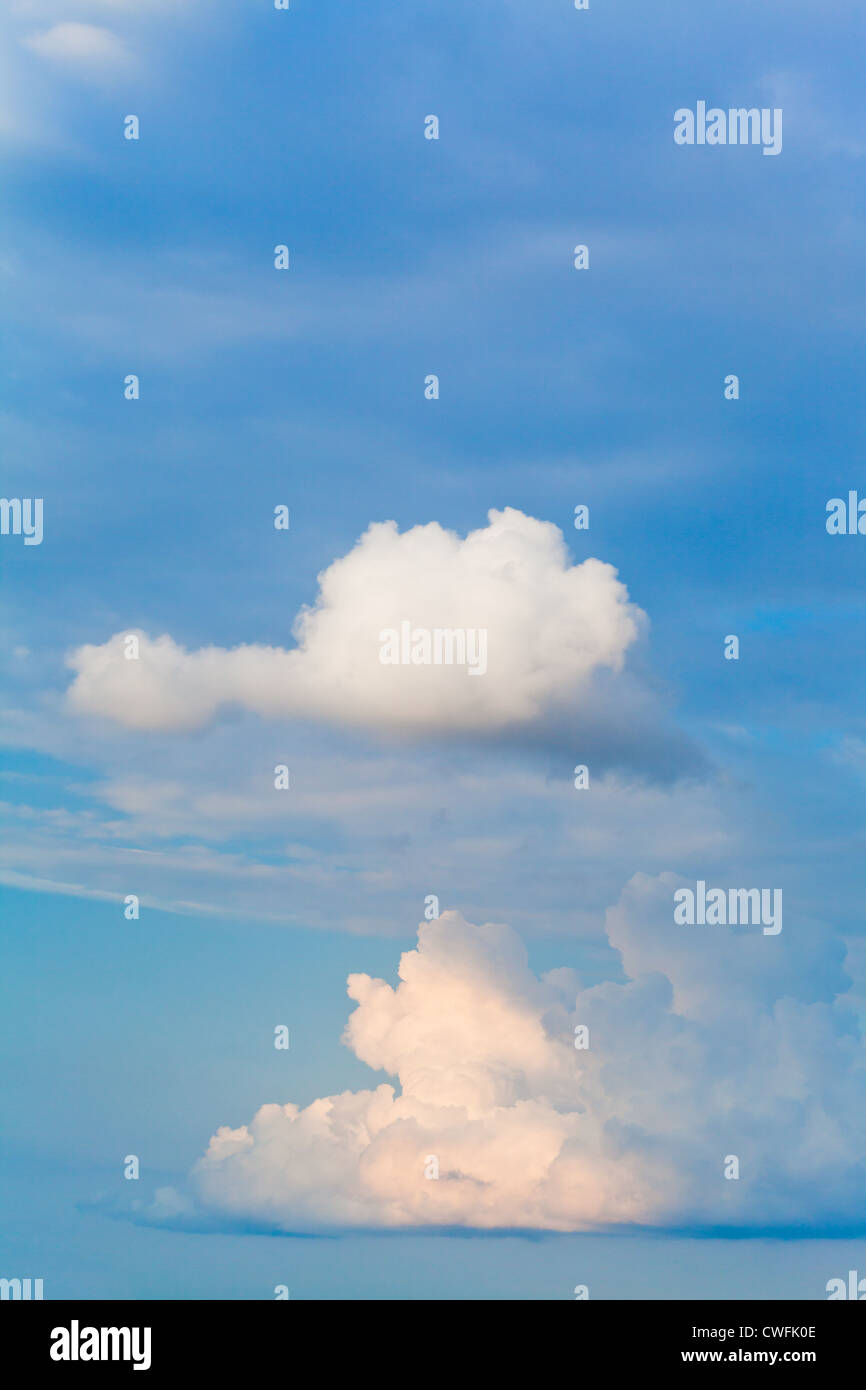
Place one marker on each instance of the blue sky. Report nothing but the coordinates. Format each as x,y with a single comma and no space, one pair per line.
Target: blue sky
258,387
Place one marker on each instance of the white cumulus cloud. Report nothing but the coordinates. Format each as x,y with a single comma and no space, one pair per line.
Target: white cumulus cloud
717,1043
549,627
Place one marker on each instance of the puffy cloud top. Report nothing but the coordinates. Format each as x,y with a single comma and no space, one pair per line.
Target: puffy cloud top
548,627
526,1130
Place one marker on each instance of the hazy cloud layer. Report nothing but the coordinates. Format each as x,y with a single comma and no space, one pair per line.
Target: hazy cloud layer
363,833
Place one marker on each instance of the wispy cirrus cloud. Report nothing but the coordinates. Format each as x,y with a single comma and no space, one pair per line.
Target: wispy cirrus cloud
86,46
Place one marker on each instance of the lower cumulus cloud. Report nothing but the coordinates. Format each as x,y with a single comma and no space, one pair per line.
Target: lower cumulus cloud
718,1043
